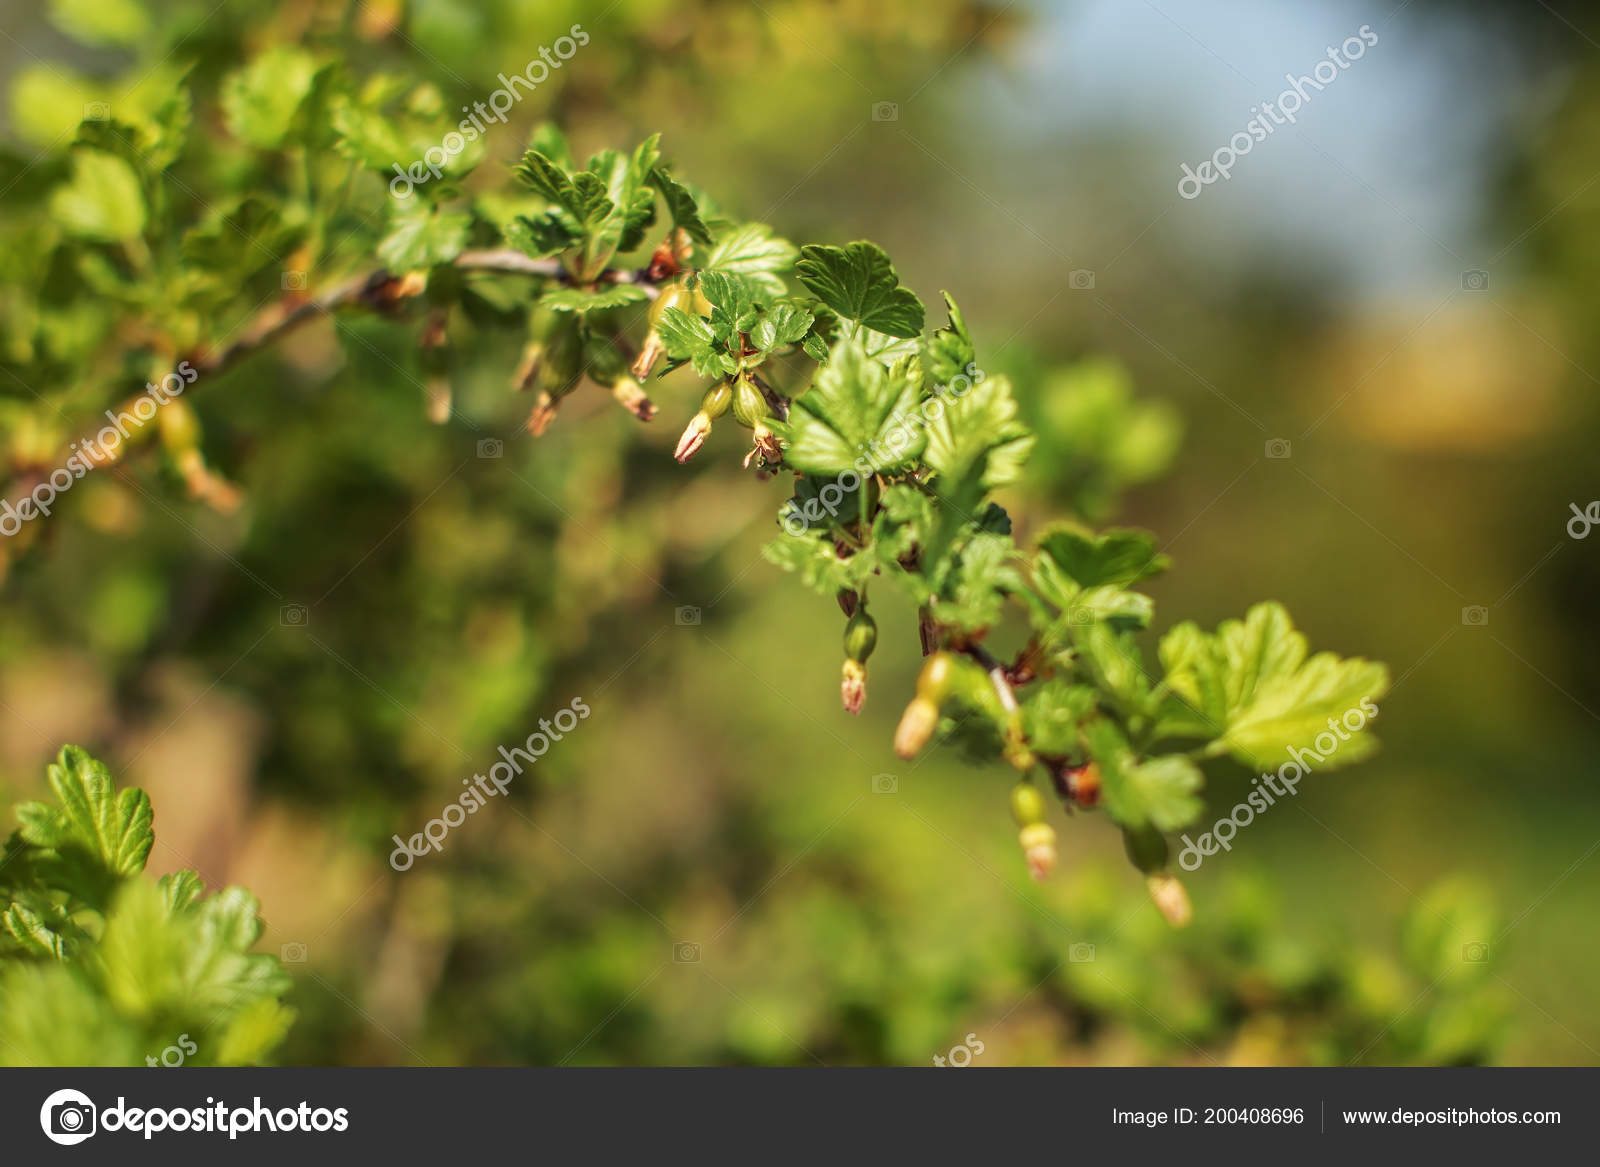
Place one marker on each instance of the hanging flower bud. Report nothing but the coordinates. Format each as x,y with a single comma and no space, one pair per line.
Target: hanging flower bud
933,682
916,726
712,406
631,396
1039,849
649,354
1147,849
1027,804
671,296
853,686
557,371
1171,898
765,446
860,638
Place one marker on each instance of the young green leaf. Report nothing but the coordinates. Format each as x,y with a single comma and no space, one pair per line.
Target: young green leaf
1253,682
855,409
422,236
103,200
859,283
752,250
260,101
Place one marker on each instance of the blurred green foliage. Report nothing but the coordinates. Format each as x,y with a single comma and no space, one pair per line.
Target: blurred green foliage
449,600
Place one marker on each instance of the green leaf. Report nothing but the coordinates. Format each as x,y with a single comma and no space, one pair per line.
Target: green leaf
859,283
101,22
855,409
366,136
113,828
542,236
180,889
681,205
780,325
1262,699
260,101
979,427
691,338
1161,792
1053,713
584,300
949,352
242,239
103,200
1116,558
422,236
974,592
812,556
32,933
753,251
254,1032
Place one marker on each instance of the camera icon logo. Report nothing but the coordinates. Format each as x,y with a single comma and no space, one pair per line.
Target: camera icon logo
687,617
293,952
1081,617
491,448
1476,280
1278,448
68,1117
1475,952
97,111
1475,616
684,952
1081,953
293,615
885,784
294,281
885,111
1081,280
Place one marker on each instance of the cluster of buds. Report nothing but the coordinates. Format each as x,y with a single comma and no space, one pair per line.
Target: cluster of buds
1147,850
860,638
1038,838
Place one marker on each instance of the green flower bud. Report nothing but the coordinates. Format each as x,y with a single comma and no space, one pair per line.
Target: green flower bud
937,673
1027,804
860,636
1147,849
672,296
717,400
1039,848
916,726
1171,899
749,406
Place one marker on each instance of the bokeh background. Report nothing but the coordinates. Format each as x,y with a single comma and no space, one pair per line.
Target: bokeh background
704,871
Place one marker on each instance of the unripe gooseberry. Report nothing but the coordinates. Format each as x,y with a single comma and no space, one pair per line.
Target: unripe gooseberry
1027,804
860,636
672,296
933,683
